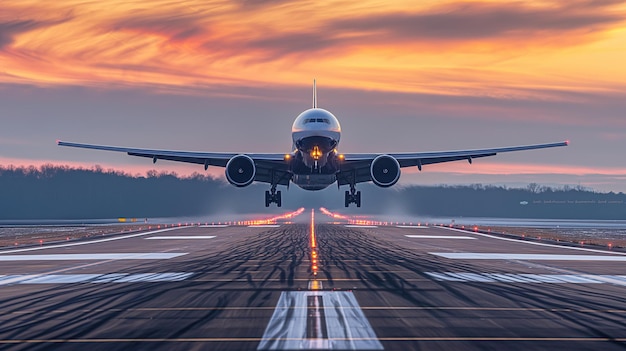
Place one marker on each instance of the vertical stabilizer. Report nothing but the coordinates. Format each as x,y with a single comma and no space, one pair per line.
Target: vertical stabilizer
314,94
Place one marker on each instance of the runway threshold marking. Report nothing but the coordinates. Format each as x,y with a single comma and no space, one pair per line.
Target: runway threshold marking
182,237
525,257
440,237
347,328
529,278
93,278
94,256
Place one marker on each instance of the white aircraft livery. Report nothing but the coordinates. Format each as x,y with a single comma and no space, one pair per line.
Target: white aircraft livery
315,162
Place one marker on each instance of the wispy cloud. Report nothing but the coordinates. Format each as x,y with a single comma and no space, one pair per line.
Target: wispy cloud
452,48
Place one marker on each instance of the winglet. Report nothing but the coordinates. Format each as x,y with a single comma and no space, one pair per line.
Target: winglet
314,94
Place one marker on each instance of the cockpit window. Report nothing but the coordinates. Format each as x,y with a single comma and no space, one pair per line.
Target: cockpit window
317,120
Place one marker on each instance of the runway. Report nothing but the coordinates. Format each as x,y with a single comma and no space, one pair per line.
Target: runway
253,288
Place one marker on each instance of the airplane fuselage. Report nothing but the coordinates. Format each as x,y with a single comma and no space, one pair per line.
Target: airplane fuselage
315,135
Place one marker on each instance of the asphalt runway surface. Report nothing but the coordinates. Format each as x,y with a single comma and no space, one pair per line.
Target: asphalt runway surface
253,288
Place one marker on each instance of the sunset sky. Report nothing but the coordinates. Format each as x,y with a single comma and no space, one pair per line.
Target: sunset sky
232,76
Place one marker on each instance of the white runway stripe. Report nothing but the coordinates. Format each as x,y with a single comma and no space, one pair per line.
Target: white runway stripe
92,278
95,256
182,237
527,257
534,243
344,325
264,226
440,237
214,226
529,278
412,226
91,241
360,226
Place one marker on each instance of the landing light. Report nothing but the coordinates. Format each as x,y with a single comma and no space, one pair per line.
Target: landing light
316,153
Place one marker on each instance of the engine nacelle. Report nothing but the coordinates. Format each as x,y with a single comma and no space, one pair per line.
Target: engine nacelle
240,170
385,171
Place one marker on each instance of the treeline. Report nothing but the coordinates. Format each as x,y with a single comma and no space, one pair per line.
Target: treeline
534,201
61,192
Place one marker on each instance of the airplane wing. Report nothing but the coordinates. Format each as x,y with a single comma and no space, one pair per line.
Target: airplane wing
357,166
269,166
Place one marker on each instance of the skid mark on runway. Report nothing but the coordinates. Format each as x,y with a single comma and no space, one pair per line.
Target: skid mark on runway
440,237
182,237
528,257
94,256
320,320
529,278
92,278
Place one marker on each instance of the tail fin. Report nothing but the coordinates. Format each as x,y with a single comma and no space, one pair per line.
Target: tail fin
314,94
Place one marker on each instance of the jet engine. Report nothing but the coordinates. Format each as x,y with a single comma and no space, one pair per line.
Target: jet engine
385,171
240,170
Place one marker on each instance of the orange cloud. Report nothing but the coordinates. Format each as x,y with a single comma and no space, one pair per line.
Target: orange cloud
467,48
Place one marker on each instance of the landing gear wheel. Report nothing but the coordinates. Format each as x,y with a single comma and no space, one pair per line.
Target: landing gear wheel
353,197
273,197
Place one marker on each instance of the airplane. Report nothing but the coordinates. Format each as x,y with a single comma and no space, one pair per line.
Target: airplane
314,162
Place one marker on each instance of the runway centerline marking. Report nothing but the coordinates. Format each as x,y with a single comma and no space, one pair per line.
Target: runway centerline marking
440,237
318,320
94,256
525,257
182,237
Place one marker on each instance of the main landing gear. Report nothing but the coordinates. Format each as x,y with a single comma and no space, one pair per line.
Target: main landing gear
273,197
353,197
